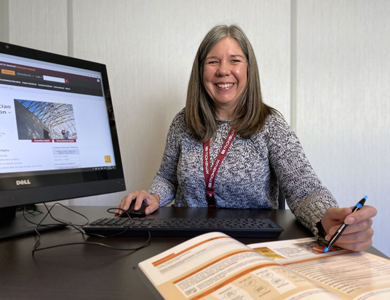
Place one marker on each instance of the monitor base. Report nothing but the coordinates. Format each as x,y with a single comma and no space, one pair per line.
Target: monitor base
13,223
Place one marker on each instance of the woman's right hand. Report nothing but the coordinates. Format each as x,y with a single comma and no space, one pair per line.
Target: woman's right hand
152,200
358,235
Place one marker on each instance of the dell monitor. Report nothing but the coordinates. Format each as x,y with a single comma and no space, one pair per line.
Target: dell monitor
58,138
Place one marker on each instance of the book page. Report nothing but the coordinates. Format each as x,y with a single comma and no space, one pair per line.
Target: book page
215,266
351,275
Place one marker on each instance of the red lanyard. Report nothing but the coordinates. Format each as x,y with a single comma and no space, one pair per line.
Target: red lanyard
210,175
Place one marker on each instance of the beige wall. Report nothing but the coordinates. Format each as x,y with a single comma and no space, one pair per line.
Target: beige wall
323,64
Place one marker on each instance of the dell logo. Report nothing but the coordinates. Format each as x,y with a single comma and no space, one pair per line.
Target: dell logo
22,182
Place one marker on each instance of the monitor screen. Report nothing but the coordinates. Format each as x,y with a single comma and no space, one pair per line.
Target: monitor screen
58,138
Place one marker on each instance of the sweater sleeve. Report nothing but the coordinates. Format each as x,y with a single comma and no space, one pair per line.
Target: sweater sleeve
307,198
165,181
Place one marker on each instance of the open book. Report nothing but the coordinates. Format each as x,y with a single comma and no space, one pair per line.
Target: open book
216,266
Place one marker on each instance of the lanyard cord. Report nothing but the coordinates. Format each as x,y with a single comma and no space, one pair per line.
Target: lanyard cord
210,175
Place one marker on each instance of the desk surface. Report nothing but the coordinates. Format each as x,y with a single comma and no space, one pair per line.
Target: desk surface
93,272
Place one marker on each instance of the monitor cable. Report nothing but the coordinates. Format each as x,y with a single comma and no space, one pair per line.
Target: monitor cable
77,227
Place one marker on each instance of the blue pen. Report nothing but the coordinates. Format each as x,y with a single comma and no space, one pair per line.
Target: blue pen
336,236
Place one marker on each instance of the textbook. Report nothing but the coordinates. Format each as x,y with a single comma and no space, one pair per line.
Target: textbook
214,266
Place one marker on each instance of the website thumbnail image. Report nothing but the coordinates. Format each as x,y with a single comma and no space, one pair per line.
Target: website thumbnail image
45,121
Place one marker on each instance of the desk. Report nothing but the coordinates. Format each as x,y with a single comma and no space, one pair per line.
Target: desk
93,272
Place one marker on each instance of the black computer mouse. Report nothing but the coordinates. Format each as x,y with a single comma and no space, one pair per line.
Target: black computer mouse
135,213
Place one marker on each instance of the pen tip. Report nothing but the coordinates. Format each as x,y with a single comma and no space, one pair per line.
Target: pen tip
365,197
326,249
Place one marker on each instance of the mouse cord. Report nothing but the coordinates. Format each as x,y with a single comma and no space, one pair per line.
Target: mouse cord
37,244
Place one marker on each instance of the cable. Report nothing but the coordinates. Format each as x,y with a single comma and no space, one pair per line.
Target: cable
37,244
49,213
95,244
30,209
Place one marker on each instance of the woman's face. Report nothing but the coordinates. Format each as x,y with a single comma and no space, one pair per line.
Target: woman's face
225,74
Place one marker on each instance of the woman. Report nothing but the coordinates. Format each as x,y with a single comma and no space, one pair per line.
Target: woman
229,149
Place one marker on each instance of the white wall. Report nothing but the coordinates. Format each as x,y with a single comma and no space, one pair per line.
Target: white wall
323,64
343,100
4,22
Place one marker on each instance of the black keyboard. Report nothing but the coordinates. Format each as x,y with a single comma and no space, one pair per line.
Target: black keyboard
183,227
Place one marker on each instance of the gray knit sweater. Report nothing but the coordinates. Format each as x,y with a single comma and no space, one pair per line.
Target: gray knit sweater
248,176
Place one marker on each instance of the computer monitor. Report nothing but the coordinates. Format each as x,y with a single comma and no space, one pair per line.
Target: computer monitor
58,138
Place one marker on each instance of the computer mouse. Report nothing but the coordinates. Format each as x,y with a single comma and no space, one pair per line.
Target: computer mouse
135,213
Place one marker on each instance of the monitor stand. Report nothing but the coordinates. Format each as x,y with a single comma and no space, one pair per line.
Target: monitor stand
13,223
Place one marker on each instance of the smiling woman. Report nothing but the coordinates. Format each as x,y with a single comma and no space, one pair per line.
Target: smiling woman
228,49
225,77
227,148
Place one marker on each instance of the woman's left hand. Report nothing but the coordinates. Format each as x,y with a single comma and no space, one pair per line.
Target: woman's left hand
358,234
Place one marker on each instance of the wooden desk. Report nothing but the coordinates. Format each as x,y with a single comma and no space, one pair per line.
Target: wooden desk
93,272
